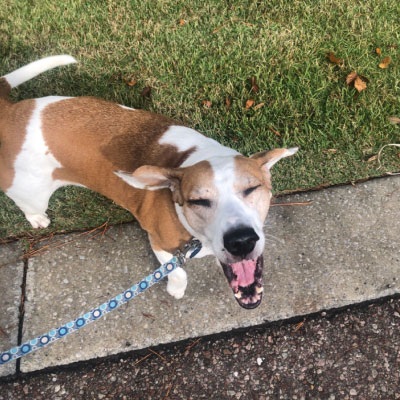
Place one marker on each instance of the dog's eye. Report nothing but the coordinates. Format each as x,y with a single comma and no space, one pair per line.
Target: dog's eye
200,202
250,190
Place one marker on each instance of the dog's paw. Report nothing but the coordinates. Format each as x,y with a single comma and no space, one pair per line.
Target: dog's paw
177,282
178,293
38,220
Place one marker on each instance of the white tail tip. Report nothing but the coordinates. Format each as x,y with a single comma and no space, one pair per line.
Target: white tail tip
35,68
293,150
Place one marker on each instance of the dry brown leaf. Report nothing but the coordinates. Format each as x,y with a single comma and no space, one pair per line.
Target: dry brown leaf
249,104
227,102
358,81
333,59
129,81
394,120
378,51
146,91
207,103
359,84
254,86
385,62
351,77
258,106
373,158
181,22
330,151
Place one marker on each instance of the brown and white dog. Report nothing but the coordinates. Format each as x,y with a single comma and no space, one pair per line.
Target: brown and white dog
177,183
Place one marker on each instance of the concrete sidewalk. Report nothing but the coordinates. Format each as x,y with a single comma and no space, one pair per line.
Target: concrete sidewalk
340,249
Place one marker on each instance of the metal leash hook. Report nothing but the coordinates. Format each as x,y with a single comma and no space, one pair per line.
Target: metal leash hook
193,246
178,260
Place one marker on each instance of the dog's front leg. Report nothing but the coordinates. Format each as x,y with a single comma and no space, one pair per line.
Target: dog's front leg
177,279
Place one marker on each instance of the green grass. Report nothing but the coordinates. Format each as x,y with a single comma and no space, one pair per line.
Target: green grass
213,55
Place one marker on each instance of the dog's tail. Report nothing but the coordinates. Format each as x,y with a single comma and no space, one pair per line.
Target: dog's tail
27,72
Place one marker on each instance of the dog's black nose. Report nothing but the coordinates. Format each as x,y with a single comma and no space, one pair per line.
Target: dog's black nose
240,242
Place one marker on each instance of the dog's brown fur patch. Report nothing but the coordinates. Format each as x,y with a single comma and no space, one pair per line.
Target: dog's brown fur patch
92,138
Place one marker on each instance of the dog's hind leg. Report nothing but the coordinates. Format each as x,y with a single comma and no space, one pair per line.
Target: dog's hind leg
31,189
33,201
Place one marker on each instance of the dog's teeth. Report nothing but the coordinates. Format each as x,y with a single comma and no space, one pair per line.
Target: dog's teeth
259,289
238,295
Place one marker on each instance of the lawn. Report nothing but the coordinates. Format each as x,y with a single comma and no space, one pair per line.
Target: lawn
198,56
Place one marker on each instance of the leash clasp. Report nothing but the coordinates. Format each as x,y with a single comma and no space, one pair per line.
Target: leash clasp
190,249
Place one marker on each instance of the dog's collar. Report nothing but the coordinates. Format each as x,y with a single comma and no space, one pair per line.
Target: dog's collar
178,260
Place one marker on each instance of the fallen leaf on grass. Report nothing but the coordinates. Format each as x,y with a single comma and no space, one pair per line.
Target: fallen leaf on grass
373,158
358,83
258,106
181,22
146,91
249,104
378,51
130,82
254,86
227,102
350,77
394,120
385,62
333,59
207,103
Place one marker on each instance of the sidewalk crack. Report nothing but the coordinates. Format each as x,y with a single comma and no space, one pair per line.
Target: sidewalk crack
21,313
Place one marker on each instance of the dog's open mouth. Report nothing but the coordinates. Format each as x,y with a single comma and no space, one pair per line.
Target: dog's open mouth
245,279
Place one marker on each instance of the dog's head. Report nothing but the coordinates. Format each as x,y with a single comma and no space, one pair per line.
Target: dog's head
223,201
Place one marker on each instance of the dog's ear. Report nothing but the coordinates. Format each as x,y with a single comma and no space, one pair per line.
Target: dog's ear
154,178
266,159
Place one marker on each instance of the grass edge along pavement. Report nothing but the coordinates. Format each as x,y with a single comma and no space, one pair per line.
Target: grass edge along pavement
199,64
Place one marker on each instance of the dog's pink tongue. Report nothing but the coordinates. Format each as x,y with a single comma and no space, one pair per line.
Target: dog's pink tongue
244,272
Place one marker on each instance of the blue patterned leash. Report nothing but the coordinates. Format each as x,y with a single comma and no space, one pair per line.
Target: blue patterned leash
178,260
